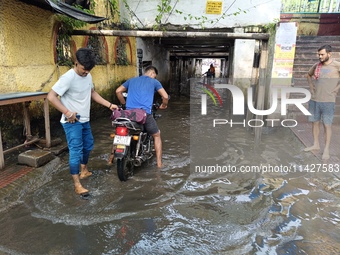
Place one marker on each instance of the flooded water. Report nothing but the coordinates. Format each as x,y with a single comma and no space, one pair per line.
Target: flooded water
176,210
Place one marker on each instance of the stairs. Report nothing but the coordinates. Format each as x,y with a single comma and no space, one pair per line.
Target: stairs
305,56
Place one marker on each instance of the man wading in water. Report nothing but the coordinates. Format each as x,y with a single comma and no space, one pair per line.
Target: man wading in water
76,90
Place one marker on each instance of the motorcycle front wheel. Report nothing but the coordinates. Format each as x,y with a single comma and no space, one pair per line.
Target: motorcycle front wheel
124,169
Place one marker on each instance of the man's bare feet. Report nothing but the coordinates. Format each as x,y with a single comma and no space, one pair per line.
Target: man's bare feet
325,155
84,173
312,148
161,165
80,190
110,160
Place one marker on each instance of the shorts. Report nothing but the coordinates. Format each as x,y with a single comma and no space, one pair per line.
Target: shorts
151,125
321,110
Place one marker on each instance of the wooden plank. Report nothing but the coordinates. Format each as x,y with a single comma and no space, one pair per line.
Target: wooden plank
35,140
2,159
27,122
21,99
261,89
47,124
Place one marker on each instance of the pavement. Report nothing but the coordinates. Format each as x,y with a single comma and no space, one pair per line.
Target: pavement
17,180
304,132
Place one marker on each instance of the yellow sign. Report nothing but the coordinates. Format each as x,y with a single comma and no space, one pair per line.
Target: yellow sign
214,7
284,54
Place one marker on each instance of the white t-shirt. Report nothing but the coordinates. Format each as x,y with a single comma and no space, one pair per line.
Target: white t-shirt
75,94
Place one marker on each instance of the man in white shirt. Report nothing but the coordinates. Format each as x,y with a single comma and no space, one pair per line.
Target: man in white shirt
75,89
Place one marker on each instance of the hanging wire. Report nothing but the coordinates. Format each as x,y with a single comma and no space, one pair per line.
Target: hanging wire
224,13
173,8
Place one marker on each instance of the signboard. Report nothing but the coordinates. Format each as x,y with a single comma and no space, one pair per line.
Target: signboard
284,53
214,7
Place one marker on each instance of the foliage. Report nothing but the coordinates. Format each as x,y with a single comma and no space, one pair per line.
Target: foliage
113,7
63,46
70,23
67,25
165,8
271,27
97,45
122,58
132,14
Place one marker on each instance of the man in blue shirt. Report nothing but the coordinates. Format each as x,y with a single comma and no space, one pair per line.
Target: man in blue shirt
141,92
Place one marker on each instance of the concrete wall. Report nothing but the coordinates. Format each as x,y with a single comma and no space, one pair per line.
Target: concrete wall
243,63
158,56
25,46
190,12
27,41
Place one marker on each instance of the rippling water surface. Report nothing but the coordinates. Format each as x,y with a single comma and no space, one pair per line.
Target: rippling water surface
176,210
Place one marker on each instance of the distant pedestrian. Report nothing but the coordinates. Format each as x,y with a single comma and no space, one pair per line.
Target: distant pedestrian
211,71
323,80
75,89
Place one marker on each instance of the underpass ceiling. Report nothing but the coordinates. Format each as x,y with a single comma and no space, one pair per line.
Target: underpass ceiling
196,47
190,43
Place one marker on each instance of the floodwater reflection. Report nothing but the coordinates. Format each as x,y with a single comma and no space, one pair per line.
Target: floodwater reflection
175,211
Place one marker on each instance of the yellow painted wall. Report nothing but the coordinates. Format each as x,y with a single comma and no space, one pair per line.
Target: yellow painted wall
100,10
26,56
26,50
104,75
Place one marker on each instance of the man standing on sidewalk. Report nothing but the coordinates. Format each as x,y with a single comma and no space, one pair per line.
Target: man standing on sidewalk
323,80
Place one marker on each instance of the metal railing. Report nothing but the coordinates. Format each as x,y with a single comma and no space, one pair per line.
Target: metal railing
310,6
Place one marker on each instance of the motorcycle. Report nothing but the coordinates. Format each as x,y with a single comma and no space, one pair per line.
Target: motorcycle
132,145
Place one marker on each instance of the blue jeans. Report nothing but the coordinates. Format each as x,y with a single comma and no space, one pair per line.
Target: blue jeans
80,143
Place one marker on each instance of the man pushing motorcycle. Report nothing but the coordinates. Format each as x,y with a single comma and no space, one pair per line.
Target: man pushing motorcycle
141,92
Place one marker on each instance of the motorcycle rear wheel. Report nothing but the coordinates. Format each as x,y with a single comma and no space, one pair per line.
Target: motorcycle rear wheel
124,169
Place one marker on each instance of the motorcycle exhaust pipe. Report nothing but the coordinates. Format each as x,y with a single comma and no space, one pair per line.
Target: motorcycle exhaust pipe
137,162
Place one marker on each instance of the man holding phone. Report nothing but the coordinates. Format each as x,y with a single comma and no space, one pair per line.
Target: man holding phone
75,89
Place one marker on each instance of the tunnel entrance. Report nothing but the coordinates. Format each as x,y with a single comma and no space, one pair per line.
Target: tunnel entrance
184,70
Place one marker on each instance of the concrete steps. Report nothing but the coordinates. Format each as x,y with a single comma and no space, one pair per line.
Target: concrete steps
305,56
